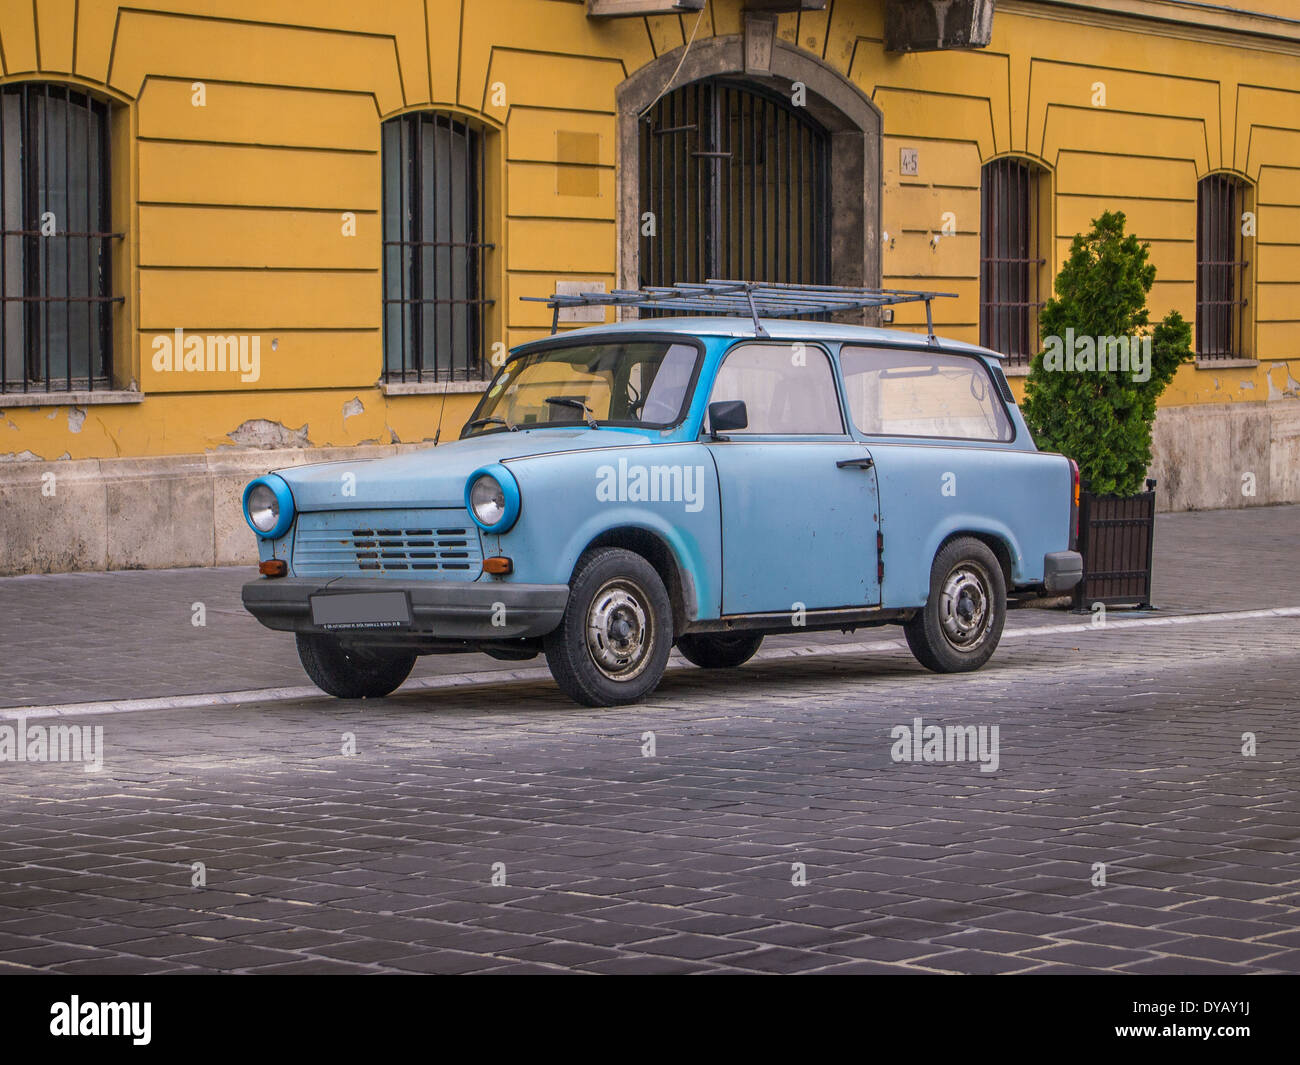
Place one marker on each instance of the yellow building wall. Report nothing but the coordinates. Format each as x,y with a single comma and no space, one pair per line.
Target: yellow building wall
1175,108
235,211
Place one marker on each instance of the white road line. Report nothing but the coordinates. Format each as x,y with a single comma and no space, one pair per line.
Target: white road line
498,676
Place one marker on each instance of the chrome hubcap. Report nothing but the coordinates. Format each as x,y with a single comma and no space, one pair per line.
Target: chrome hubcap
619,630
965,610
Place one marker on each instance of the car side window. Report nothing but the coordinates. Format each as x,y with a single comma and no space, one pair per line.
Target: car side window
901,392
787,389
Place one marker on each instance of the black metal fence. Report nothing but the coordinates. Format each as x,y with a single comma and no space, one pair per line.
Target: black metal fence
735,182
435,268
56,286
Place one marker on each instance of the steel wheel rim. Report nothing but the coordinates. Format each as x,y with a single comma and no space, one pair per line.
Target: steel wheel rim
619,629
966,606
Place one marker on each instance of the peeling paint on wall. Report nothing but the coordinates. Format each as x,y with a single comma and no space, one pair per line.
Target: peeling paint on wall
76,419
259,432
1289,390
352,408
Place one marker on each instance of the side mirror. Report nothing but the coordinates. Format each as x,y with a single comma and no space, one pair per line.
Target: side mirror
726,415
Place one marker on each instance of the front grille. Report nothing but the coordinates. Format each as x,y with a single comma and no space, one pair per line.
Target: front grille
442,544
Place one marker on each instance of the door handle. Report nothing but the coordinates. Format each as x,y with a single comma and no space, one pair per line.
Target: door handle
864,463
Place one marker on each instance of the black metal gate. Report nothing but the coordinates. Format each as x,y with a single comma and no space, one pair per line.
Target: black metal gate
735,183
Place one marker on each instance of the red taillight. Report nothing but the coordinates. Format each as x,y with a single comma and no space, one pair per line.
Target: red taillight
1074,498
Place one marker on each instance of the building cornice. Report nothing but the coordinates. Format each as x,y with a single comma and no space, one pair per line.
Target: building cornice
1188,19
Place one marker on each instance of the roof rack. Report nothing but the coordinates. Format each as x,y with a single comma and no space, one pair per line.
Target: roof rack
745,298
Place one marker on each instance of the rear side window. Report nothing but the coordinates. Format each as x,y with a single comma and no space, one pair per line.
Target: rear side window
894,392
787,389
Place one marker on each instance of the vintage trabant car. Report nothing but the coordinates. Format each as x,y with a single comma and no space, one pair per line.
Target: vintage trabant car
697,482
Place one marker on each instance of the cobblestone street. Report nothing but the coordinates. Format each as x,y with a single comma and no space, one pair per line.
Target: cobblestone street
1120,745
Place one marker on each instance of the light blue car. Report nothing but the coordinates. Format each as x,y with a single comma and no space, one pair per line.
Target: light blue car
693,481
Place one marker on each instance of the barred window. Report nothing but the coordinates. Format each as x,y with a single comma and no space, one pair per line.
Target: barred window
1012,258
739,181
1220,268
434,249
56,294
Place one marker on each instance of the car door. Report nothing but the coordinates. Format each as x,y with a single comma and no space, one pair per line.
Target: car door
798,495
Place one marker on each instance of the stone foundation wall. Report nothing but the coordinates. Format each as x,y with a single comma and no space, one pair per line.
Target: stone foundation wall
1212,457
151,513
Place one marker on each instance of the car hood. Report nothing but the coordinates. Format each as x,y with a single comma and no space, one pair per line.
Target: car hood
434,476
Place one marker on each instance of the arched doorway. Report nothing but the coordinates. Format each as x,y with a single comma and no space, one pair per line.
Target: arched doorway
741,114
736,182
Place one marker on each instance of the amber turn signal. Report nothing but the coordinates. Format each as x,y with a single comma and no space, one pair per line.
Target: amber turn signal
498,565
273,567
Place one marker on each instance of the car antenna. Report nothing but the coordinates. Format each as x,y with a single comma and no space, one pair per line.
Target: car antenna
437,433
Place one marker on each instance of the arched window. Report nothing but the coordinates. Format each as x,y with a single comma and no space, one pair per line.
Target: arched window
737,181
1221,267
434,249
1014,233
766,113
56,285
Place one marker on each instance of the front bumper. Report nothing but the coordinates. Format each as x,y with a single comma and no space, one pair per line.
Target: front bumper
452,610
1062,570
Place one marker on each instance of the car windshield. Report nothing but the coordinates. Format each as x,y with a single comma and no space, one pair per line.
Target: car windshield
639,382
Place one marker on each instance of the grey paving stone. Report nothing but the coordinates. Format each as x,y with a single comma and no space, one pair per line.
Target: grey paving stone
1091,954
871,948
1181,967
976,962
782,960
693,947
1226,950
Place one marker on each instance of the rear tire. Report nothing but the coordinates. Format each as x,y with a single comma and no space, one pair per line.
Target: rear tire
719,650
349,673
612,646
959,628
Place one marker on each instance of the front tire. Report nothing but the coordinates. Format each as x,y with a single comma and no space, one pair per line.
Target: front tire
724,650
349,673
612,646
960,626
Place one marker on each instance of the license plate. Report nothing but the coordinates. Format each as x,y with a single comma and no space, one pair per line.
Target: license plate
361,610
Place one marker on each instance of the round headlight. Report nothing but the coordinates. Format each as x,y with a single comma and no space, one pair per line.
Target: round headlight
492,498
263,508
487,500
268,506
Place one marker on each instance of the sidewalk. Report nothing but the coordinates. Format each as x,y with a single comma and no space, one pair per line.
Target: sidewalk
81,637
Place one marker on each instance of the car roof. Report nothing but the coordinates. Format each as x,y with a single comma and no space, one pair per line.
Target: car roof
777,329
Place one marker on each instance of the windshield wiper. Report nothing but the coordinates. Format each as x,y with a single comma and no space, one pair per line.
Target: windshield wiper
492,420
570,401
